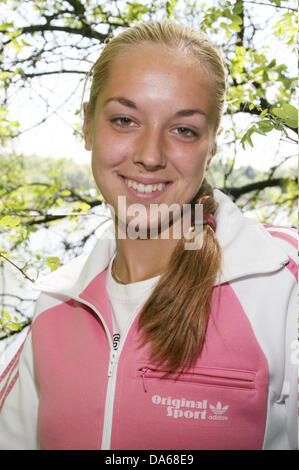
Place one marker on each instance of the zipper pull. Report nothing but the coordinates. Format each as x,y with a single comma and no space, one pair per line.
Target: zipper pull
112,361
143,372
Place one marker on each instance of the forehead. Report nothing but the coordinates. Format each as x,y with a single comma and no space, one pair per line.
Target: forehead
157,73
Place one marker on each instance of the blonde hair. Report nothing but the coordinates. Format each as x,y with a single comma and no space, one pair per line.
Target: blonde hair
174,319
171,35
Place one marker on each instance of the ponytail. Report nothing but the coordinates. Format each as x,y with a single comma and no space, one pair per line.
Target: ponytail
174,320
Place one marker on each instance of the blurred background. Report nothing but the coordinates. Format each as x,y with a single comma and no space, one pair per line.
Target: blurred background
50,209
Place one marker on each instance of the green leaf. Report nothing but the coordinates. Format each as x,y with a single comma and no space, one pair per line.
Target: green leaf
227,34
263,113
65,192
16,45
6,315
9,221
82,206
235,27
272,63
136,11
266,126
238,8
247,138
288,114
14,326
53,262
5,26
170,7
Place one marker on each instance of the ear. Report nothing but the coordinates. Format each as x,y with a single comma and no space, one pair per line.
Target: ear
219,131
214,148
86,129
211,155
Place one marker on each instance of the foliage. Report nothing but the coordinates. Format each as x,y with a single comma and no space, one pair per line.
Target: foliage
9,324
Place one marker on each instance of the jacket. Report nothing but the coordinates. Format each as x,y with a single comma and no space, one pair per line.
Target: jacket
67,388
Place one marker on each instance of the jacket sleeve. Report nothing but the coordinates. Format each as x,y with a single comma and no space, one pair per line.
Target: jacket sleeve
290,387
19,402
291,370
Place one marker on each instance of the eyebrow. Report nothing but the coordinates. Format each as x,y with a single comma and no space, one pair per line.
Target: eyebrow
121,100
189,112
130,104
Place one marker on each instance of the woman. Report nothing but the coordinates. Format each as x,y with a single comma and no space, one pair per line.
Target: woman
144,344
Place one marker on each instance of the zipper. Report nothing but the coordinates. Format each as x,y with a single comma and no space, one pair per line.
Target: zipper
214,377
111,372
110,394
112,362
109,402
143,372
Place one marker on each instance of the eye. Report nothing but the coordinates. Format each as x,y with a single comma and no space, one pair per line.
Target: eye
185,132
123,121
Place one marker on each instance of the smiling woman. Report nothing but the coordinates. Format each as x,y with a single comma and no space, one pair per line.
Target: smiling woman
151,126
146,343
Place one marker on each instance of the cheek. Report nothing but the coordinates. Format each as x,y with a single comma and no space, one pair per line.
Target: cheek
190,164
108,148
106,157
108,154
190,159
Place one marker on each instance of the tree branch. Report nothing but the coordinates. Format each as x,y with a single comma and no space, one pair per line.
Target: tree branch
86,32
270,5
17,267
53,72
234,192
258,185
21,299
12,332
255,111
240,34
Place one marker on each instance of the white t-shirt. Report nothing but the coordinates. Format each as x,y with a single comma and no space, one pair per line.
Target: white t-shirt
125,300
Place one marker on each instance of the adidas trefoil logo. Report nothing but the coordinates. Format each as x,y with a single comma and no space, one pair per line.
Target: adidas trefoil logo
218,409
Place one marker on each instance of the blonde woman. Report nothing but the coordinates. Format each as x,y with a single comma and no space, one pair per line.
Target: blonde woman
143,343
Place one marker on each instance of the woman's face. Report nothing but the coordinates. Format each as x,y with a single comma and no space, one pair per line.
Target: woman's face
150,136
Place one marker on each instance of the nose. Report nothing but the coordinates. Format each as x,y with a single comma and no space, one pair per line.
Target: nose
149,152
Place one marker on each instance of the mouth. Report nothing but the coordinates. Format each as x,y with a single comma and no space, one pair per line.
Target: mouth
145,188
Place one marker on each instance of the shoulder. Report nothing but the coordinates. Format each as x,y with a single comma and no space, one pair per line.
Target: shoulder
286,238
75,275
288,235
64,276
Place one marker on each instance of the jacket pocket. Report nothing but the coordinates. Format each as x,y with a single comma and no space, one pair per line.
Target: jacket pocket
208,376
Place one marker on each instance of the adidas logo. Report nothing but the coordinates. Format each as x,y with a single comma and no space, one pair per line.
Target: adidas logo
218,411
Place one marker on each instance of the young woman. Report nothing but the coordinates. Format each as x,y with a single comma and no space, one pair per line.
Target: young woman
143,343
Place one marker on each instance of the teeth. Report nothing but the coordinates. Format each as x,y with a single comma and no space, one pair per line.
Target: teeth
148,188
144,188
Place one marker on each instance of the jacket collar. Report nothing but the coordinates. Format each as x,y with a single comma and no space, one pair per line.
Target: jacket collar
247,249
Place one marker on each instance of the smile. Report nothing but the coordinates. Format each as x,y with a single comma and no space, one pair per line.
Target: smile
144,188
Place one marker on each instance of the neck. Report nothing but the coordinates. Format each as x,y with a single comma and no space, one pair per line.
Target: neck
138,260
143,258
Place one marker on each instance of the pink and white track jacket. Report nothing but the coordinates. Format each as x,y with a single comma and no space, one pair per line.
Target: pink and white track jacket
68,389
